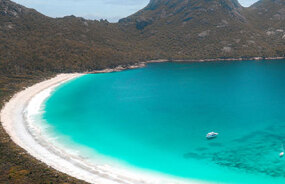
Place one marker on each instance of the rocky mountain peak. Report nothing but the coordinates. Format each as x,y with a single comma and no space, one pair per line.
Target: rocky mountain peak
185,10
154,4
273,9
11,9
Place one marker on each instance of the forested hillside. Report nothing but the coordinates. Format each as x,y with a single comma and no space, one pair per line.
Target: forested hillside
166,29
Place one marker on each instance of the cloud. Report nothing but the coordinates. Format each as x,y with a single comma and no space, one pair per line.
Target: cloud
247,3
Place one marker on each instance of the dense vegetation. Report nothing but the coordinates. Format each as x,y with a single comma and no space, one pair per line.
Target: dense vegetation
34,47
211,29
176,29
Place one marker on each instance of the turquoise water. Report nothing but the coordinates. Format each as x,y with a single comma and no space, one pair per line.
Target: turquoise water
156,118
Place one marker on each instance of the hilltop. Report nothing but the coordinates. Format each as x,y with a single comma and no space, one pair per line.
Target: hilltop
268,16
32,42
196,29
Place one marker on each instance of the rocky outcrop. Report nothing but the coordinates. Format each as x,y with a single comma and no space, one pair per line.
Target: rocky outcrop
183,11
9,8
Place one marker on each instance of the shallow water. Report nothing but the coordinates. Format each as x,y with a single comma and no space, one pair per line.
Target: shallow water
156,118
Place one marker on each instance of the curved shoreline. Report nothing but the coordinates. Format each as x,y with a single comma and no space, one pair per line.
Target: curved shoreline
13,121
13,116
144,63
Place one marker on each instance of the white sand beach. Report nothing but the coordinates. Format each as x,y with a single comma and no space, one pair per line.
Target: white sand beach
15,117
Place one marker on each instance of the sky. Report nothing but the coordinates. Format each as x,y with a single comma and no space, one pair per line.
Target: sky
112,10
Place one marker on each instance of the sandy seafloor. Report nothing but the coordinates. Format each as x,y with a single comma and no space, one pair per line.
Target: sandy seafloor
23,131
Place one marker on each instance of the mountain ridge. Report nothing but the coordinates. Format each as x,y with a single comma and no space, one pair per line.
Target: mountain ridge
171,29
215,29
159,9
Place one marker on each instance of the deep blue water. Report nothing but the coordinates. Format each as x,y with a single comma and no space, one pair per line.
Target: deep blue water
156,118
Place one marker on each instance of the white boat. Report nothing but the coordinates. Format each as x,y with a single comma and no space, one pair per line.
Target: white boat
211,135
